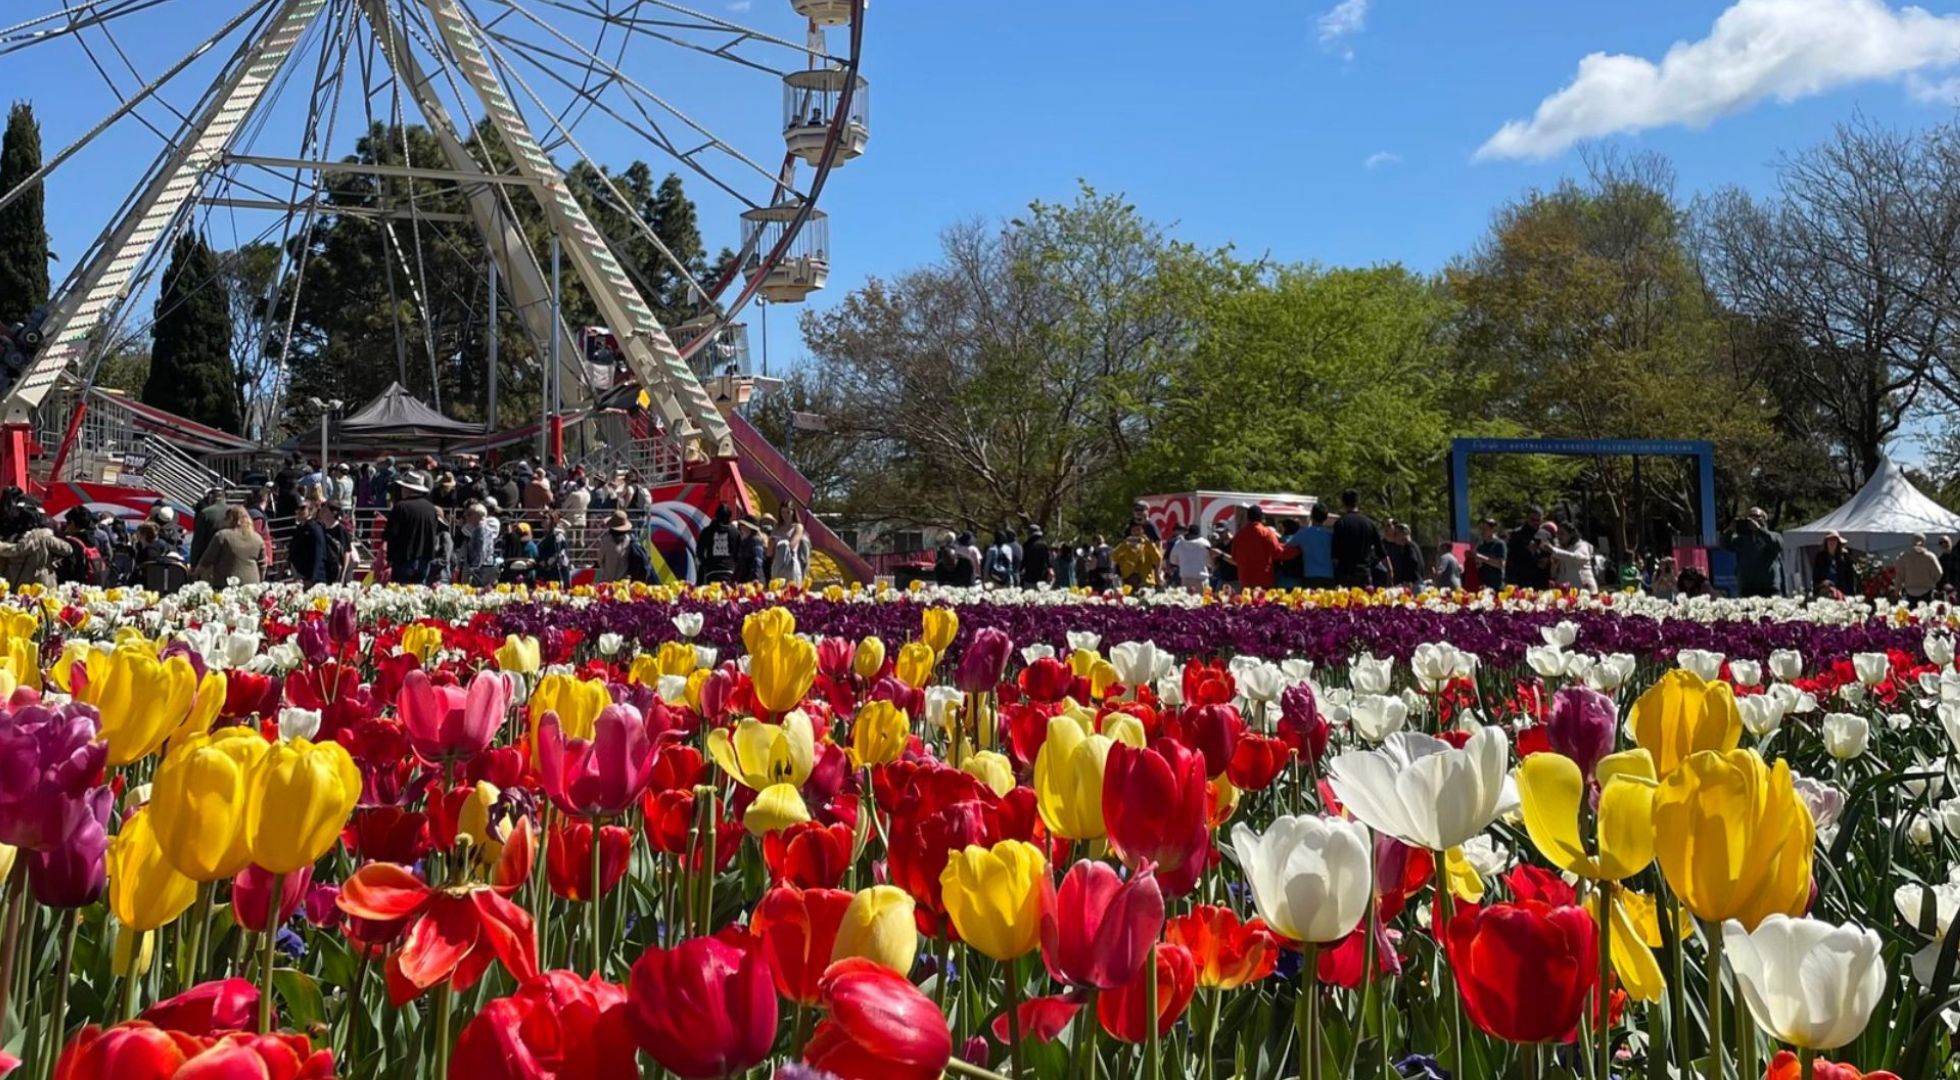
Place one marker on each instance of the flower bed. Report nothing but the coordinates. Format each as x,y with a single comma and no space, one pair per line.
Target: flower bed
449,834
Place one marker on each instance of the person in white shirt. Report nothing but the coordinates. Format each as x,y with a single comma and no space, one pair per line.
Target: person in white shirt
343,485
575,502
1572,563
1191,558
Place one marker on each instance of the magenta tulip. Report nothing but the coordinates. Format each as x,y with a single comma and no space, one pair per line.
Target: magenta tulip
1100,928
312,641
251,894
448,723
74,874
983,662
343,623
49,759
1582,725
599,777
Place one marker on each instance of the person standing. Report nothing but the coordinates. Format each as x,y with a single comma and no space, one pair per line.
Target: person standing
409,536
1405,569
326,546
343,485
1140,512
1833,569
1523,567
715,549
1491,557
211,516
621,555
1139,562
752,551
233,553
1036,566
1918,572
1449,569
1316,544
1257,551
537,491
1758,551
789,558
575,501
1357,543
1003,564
1573,557
1191,559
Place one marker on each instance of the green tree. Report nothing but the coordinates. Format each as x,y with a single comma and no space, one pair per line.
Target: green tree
250,276
23,231
190,355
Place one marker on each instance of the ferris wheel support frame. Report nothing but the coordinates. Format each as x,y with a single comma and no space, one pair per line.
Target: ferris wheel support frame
76,321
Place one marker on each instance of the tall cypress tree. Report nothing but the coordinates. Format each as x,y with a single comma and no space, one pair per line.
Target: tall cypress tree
23,230
190,359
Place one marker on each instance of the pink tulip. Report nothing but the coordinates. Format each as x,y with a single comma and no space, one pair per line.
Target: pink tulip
447,723
599,777
251,894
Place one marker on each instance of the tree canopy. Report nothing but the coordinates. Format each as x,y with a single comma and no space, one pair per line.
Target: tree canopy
190,357
23,230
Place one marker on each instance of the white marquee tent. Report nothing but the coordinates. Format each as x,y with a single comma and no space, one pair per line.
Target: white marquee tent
1880,520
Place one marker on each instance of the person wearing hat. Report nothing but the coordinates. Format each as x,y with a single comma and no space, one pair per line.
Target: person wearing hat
320,551
1036,568
1833,569
343,486
409,536
1758,551
1918,571
752,550
621,555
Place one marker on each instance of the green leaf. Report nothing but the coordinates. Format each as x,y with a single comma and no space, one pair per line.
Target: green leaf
300,997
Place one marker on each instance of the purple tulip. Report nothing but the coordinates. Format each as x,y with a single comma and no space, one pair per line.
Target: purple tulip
183,648
321,909
983,661
599,777
343,623
312,642
75,874
49,759
1582,725
448,723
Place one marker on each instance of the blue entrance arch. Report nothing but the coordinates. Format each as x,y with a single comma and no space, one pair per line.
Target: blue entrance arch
1461,451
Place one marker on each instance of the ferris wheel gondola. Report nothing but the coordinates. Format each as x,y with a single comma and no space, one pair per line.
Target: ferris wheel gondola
263,134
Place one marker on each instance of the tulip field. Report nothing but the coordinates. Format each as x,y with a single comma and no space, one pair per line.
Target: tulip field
398,833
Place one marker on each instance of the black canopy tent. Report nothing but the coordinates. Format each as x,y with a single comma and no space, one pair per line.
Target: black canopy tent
394,422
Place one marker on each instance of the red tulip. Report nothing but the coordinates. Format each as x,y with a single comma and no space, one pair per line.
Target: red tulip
388,834
1228,953
1154,808
1124,1010
453,934
834,656
208,1008
599,777
1528,882
557,1026
1212,730
879,1026
1785,1066
1100,928
1047,681
138,1050
706,1007
1257,761
251,894
677,767
1208,684
249,693
1524,969
448,723
940,810
798,929
809,855
568,858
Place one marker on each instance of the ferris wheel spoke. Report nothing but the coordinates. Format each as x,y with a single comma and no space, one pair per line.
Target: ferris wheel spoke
692,20
73,17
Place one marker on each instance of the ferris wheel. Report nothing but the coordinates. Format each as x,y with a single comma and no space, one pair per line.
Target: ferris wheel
253,118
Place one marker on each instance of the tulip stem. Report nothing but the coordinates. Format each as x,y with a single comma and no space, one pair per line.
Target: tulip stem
1309,1010
962,1067
1085,1039
593,897
1807,1064
10,937
192,961
443,996
267,957
58,1013
705,796
1448,902
1602,995
1717,1049
1152,1052
1012,973
1211,1034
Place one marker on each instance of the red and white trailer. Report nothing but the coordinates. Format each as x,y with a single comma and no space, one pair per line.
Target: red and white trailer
1209,509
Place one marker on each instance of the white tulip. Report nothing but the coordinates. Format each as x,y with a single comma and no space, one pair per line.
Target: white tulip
941,701
1826,803
1929,683
1920,830
1083,641
1846,735
1031,653
1915,788
298,723
1370,676
1745,672
1761,714
1296,670
1898,721
689,624
1706,664
1261,682
1140,662
610,644
1547,660
1872,667
1852,694
240,647
1938,647
1311,877
1934,920
1434,663
1611,672
1561,635
1486,856
1578,666
1950,816
1170,691
705,657
1424,792
1808,983
1949,714
1786,664
1377,716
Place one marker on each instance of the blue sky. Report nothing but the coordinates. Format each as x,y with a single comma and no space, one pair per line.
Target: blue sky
1361,131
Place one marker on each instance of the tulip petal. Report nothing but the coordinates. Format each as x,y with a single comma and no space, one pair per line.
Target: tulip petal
1633,961
382,892
1626,827
1551,788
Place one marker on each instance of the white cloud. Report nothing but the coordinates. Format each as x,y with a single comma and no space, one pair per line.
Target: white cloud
1757,49
740,7
1340,22
1380,158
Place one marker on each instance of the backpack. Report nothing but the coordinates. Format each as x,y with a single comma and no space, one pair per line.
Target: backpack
639,565
301,551
83,564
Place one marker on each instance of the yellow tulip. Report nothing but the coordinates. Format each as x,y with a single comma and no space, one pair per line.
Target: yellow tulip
145,891
941,626
1681,715
197,802
915,663
7,855
695,682
77,657
869,659
297,800
577,702
1068,778
421,641
1733,839
992,769
1631,950
132,953
1553,793
1126,729
776,807
473,817
998,896
782,671
1465,883
21,658
519,655
1082,662
765,626
676,658
758,755
1102,676
880,927
142,700
880,733
205,706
